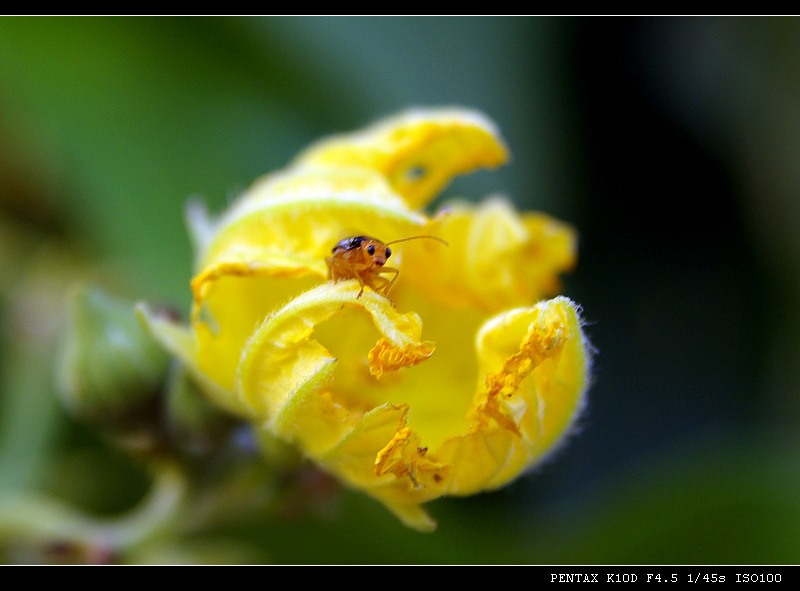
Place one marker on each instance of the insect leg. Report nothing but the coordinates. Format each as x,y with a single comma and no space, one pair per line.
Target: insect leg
389,282
330,262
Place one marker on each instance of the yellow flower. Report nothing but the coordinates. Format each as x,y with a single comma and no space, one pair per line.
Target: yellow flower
456,384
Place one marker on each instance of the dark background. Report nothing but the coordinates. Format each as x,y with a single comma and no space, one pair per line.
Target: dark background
672,144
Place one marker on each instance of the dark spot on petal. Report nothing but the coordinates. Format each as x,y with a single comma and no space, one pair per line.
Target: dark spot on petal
415,173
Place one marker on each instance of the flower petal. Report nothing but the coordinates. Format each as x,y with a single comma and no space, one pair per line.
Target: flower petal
497,258
179,341
374,457
283,228
285,378
269,231
419,152
535,362
281,358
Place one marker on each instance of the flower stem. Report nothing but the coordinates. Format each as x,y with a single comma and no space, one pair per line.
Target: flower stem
40,518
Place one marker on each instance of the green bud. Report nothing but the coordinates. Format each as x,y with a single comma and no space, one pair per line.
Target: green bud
109,368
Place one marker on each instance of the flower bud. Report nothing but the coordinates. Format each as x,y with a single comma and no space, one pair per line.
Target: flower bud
109,368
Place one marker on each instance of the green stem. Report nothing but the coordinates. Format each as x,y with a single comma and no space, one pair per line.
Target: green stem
38,517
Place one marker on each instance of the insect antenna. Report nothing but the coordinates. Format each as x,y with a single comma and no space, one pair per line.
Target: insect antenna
415,237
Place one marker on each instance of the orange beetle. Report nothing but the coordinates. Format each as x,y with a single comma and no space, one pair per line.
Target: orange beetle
363,258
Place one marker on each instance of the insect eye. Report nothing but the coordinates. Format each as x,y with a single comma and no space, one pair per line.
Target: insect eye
371,249
388,252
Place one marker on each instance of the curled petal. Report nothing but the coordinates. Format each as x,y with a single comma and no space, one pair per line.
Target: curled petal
281,358
267,232
285,378
535,362
418,152
267,236
497,258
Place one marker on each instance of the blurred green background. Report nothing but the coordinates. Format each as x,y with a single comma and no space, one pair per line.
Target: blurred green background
672,144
